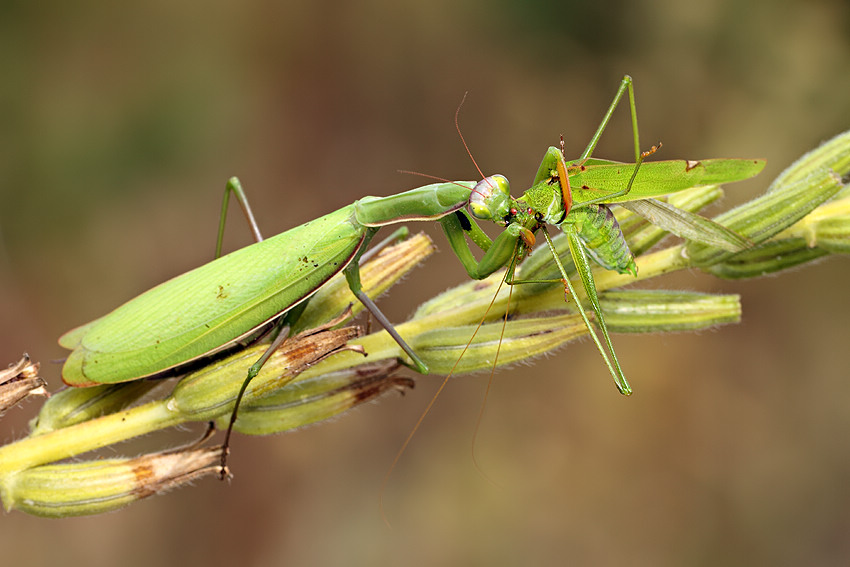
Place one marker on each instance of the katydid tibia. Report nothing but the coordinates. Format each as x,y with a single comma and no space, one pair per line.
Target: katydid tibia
211,308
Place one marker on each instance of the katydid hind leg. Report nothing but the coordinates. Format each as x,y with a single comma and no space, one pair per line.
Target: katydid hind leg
626,85
584,270
235,187
620,192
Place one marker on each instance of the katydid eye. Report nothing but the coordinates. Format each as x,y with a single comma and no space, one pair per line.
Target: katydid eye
490,198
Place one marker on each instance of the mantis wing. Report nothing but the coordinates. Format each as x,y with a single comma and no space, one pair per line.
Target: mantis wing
199,312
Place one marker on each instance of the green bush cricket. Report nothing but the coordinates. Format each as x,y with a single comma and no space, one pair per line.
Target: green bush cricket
210,308
572,195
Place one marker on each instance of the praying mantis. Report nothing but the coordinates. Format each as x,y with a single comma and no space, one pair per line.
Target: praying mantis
210,309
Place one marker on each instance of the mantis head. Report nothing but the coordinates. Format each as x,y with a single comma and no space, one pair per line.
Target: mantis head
491,198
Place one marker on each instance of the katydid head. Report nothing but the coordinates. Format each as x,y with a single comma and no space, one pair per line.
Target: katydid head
544,201
491,198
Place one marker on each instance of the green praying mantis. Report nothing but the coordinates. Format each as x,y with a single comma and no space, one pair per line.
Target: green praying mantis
203,312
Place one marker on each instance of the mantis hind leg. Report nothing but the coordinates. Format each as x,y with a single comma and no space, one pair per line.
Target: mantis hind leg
282,335
235,187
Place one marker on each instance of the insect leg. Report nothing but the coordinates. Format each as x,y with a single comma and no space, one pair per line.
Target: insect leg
235,187
625,84
352,275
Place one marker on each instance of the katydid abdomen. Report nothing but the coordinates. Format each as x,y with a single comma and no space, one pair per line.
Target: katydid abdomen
604,241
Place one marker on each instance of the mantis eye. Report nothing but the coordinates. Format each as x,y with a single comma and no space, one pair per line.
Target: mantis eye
490,198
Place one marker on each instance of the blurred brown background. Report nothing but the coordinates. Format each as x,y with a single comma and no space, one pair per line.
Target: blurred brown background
121,124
